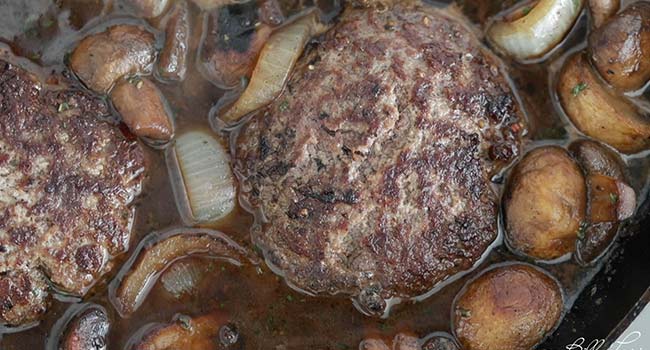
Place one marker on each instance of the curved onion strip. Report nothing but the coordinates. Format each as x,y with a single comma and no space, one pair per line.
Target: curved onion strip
276,61
156,254
207,179
538,31
182,278
197,333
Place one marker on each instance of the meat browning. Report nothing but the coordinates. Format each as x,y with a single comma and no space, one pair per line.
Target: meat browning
66,182
373,168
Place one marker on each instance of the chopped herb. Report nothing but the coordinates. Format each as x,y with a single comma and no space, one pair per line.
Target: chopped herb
613,197
284,105
289,297
582,230
465,313
133,79
577,4
343,346
384,326
184,322
578,89
35,56
526,10
64,106
48,22
222,305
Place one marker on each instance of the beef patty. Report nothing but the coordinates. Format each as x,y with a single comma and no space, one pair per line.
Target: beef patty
66,181
371,172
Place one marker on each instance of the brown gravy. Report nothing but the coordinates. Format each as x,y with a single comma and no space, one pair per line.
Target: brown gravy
267,313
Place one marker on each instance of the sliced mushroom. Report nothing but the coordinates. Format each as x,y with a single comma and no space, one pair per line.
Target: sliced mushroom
511,307
599,112
602,10
143,109
620,48
611,199
101,59
87,331
172,64
232,42
545,204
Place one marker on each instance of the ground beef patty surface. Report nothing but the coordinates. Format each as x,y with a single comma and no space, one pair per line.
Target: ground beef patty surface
372,169
66,180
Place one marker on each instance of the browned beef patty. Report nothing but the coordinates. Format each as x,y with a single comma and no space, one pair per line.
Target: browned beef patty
66,180
373,168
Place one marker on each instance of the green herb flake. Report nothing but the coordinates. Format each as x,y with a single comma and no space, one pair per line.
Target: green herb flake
64,106
134,79
582,230
526,10
342,346
284,106
47,23
613,197
465,313
289,297
578,89
184,322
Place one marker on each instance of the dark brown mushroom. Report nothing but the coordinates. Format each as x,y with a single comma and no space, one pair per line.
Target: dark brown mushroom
611,199
143,108
101,59
87,331
620,48
511,307
172,64
232,42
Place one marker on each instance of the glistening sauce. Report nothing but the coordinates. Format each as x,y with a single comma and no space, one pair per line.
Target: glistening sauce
267,313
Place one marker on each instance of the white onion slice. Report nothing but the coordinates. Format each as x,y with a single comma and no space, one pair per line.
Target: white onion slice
538,31
206,176
182,278
276,61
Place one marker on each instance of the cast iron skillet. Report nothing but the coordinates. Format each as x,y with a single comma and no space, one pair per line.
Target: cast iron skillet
616,295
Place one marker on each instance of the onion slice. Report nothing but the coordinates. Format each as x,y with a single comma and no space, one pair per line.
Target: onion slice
181,278
276,61
538,31
201,167
159,251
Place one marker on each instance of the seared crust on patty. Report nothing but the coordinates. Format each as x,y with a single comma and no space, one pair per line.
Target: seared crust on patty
372,169
66,181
